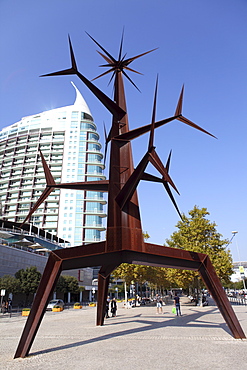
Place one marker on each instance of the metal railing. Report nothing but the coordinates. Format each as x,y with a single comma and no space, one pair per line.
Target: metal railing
238,300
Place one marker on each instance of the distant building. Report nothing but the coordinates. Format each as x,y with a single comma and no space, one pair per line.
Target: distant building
240,271
69,141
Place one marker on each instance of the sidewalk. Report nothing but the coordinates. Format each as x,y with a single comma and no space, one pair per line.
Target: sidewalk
137,338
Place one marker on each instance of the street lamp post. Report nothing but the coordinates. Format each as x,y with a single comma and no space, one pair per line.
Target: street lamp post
241,270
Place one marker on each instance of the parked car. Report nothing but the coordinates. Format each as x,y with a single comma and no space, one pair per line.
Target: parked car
55,302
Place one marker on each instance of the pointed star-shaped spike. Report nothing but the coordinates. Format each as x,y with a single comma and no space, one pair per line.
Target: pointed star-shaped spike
101,47
181,118
103,74
101,185
147,177
157,163
107,102
131,184
64,72
117,66
121,46
118,112
88,185
48,176
69,71
42,198
192,124
133,70
172,199
123,58
106,143
113,75
151,156
133,134
166,185
49,182
129,60
180,103
72,55
108,60
168,161
151,137
130,80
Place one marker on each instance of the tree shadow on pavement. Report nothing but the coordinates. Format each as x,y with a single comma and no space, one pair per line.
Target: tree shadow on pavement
189,321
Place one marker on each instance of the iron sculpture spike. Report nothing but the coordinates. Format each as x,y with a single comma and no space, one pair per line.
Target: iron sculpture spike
108,103
119,64
124,241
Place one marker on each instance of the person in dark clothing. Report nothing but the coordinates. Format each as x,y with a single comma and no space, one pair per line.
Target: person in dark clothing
107,307
177,304
9,306
113,307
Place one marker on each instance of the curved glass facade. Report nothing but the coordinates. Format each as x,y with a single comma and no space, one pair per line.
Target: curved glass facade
69,142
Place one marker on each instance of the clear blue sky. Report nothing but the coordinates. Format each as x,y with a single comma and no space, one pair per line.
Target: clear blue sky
202,44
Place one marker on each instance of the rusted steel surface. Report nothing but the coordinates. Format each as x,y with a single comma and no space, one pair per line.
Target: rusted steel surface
124,239
214,286
48,282
103,282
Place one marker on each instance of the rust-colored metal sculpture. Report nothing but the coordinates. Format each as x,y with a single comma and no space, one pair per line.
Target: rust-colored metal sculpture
124,240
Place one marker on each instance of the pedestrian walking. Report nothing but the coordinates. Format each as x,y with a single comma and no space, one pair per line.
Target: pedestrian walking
177,304
159,303
9,307
107,307
114,307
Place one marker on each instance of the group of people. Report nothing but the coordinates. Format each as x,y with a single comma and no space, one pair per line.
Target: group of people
111,304
159,304
6,306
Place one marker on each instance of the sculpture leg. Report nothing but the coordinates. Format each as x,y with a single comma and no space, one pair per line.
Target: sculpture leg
103,282
213,283
46,286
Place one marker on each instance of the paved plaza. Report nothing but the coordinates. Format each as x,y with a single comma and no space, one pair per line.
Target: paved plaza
137,338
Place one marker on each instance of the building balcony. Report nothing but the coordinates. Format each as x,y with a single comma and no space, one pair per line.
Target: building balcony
95,213
96,163
94,240
94,151
96,198
96,227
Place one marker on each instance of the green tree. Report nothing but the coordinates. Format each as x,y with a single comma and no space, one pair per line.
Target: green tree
128,272
10,284
125,272
196,233
67,284
156,277
61,285
72,284
28,280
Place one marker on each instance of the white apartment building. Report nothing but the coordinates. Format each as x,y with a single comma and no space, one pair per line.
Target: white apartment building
69,141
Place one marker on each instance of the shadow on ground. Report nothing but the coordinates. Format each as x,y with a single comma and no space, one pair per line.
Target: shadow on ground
189,321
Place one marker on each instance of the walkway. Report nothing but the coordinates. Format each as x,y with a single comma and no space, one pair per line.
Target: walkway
137,338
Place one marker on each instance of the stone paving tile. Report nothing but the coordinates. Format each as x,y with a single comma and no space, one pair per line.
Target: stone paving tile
137,338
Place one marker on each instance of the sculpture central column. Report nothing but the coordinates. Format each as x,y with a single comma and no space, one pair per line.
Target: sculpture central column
124,229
